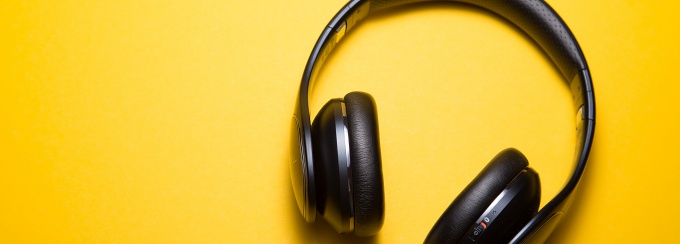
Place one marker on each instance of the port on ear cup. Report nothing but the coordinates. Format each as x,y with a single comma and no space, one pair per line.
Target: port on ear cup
471,203
367,180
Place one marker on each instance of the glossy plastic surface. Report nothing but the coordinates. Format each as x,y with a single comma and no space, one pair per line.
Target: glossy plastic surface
301,166
307,199
334,198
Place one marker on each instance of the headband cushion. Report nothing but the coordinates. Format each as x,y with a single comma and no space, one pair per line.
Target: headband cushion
477,196
536,18
367,181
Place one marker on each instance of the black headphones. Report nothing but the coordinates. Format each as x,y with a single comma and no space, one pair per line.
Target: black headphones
335,162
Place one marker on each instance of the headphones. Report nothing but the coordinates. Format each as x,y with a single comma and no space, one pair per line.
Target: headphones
335,161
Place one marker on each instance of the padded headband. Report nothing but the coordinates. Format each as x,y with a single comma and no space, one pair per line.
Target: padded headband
534,17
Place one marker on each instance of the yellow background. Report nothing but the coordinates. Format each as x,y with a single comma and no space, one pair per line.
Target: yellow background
168,121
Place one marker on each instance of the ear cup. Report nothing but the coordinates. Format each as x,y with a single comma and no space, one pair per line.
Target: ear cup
477,197
367,181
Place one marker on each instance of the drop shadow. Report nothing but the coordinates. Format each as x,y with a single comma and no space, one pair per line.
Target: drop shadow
320,231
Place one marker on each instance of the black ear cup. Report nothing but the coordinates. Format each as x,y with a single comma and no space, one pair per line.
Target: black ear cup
367,180
463,213
349,182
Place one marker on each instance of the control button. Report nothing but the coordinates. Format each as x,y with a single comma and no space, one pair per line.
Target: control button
478,230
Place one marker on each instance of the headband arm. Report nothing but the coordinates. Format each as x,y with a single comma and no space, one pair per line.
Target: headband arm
541,226
301,138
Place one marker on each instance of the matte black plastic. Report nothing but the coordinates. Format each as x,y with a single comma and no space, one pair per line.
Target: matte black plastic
334,201
367,178
477,197
509,212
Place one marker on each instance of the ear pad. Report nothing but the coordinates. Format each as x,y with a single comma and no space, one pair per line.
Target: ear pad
477,197
367,181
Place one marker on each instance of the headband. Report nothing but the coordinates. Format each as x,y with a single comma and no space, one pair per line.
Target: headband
534,17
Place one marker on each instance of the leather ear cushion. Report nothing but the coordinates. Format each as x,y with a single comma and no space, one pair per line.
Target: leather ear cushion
367,181
477,196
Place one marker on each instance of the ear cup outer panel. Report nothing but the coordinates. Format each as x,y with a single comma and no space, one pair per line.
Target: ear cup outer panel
334,200
367,179
477,197
509,212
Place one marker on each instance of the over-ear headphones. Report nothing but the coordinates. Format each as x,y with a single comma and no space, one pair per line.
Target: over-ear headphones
336,164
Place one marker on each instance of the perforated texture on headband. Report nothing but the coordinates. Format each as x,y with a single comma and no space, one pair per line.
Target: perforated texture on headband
536,18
